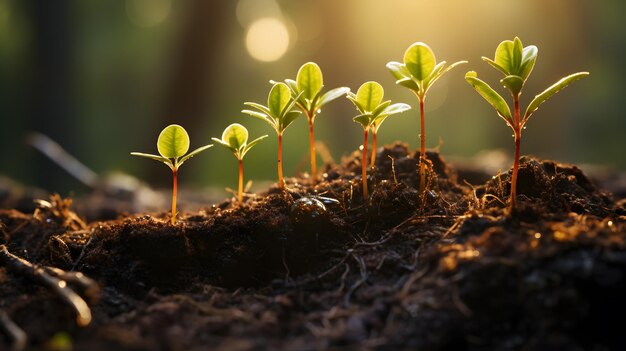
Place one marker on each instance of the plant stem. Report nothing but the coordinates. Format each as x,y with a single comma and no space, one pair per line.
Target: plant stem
174,191
281,181
240,190
364,165
517,134
373,160
422,147
312,149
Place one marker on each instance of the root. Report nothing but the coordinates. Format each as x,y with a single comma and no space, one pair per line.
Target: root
56,280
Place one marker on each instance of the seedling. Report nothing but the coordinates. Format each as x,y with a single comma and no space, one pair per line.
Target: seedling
516,63
418,73
307,90
372,112
279,114
235,138
173,144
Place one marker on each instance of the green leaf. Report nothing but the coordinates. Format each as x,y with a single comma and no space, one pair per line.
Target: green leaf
505,57
259,107
513,83
489,94
398,70
395,108
278,98
529,57
389,111
439,72
553,89
173,141
369,95
193,153
408,83
293,86
310,80
288,119
353,98
235,135
332,95
268,119
380,108
419,59
364,120
250,145
495,65
402,75
290,105
165,160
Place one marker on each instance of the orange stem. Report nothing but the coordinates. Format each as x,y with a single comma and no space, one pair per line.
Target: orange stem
373,160
240,190
364,165
281,181
174,191
312,149
517,133
422,147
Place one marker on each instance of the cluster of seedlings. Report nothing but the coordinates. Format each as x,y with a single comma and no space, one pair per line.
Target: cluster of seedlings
418,72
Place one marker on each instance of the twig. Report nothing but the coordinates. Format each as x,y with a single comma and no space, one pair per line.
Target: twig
59,286
14,332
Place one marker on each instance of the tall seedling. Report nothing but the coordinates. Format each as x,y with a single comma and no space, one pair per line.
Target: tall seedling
372,112
419,72
279,114
173,144
307,90
516,63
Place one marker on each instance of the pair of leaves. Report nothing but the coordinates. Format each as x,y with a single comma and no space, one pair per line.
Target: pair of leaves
173,144
307,89
420,69
516,63
373,110
235,138
279,111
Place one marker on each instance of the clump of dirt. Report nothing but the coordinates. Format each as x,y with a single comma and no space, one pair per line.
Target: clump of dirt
318,266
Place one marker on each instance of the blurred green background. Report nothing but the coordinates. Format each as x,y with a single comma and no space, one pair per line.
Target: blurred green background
103,78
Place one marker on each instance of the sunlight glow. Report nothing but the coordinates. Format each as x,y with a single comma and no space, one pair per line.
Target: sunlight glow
267,39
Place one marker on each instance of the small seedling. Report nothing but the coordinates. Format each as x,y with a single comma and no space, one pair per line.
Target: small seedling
418,73
516,63
279,114
173,144
307,90
235,138
372,112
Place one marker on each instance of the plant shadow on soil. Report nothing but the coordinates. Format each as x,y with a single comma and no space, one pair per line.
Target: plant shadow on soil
450,269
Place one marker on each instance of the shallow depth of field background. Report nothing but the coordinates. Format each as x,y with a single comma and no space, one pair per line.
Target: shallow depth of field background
104,77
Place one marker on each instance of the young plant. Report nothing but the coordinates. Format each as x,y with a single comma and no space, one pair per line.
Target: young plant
279,114
418,73
516,63
307,90
235,138
372,112
173,144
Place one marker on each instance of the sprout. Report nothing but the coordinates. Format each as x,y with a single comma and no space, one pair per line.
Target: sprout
235,138
173,144
307,91
516,63
279,114
418,73
372,112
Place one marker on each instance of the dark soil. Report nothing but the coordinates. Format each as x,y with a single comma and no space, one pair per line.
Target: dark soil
319,267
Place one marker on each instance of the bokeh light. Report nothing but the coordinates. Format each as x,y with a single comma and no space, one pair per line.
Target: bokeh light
267,39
